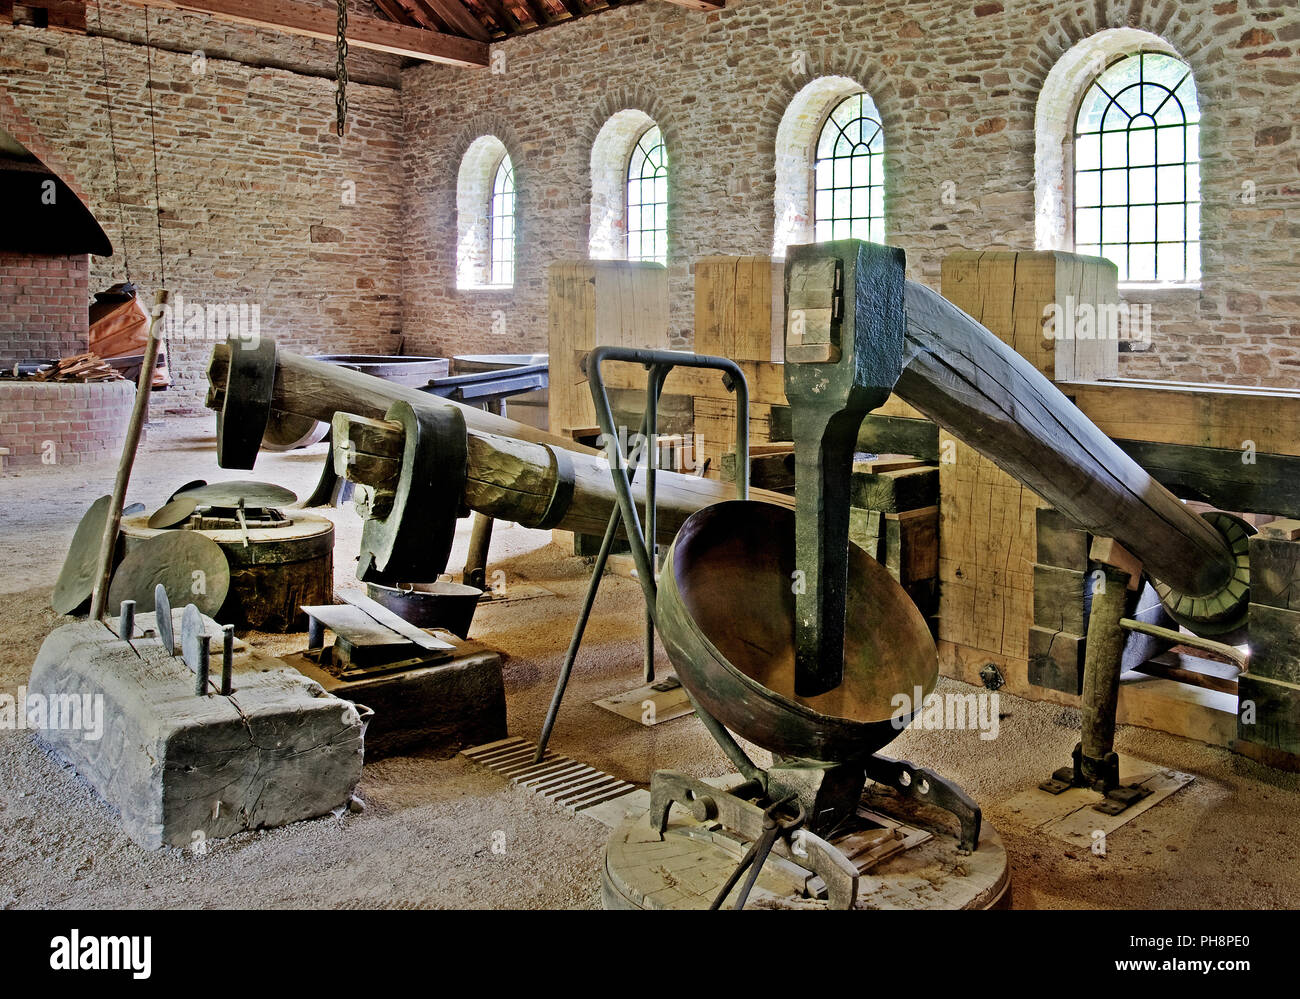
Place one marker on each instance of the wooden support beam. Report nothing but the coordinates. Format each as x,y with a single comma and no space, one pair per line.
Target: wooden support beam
540,14
459,19
416,11
961,376
700,4
574,7
503,15
319,22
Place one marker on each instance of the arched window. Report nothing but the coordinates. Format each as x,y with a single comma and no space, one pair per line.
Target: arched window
647,199
849,173
1137,169
501,217
486,219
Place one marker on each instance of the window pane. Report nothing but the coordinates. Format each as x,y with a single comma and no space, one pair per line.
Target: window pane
1171,144
1114,224
1087,189
1141,223
1170,182
1142,266
1087,152
1169,260
1142,186
1087,226
1142,143
1170,225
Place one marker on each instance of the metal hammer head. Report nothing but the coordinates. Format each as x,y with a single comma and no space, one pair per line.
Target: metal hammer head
844,333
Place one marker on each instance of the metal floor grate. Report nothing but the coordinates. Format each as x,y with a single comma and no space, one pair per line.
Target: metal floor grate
556,778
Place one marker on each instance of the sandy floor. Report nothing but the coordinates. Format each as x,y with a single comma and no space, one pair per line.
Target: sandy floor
425,837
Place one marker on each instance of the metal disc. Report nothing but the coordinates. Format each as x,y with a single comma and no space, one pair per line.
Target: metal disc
186,563
175,512
228,494
192,484
77,577
286,432
162,609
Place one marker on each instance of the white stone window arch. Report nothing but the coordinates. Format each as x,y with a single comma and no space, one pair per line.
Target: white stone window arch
797,138
485,207
611,158
1091,164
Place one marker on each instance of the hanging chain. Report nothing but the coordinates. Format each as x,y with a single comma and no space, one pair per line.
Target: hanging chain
153,134
341,88
112,141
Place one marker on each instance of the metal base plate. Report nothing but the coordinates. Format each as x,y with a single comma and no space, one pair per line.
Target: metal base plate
652,704
688,866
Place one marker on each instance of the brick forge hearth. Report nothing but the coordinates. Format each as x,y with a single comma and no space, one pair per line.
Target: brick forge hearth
44,314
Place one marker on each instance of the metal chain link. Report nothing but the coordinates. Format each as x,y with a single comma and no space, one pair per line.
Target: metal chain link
341,90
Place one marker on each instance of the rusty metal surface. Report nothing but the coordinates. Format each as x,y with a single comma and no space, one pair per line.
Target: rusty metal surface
725,612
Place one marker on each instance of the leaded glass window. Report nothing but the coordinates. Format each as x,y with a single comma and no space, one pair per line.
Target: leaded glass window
647,199
502,218
1137,174
849,174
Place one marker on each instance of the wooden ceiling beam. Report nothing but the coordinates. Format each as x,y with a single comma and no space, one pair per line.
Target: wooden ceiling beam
320,22
701,4
503,15
541,15
406,11
459,19
574,7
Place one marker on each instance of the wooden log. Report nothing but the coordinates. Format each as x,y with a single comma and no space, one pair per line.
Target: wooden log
961,376
514,473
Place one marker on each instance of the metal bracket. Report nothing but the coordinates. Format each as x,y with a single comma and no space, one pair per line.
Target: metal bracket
414,540
733,812
246,408
927,786
1116,797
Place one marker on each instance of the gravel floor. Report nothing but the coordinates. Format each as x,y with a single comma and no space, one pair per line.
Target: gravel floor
426,835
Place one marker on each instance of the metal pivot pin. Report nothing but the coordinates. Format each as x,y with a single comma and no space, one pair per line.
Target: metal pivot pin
126,621
201,663
227,658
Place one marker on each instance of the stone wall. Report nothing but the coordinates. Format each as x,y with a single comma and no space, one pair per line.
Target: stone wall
254,181
956,83
43,305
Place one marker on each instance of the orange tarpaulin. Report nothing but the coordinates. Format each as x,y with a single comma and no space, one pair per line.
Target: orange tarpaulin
119,327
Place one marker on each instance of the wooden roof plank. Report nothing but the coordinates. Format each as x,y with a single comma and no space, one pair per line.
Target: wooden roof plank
460,19
371,33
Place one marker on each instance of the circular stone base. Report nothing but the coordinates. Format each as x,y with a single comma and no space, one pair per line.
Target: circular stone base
281,569
687,868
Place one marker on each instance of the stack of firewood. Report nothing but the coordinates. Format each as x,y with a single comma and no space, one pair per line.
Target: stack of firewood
78,368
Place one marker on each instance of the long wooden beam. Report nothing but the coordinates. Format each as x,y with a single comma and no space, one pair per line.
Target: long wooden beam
514,469
371,33
978,388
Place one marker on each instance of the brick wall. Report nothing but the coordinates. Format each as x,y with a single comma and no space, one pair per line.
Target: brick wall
63,424
957,85
253,177
43,302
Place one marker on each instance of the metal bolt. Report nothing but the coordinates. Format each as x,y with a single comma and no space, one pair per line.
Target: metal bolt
227,657
201,666
126,621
